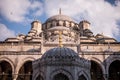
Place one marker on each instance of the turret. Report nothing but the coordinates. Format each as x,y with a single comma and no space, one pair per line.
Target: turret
84,25
36,29
37,26
85,29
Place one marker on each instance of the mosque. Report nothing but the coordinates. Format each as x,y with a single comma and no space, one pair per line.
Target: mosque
60,49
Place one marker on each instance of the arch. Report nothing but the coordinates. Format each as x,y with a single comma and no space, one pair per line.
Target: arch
99,62
22,68
25,72
111,59
9,61
61,71
114,70
60,76
95,59
23,62
38,73
82,77
96,71
5,70
83,73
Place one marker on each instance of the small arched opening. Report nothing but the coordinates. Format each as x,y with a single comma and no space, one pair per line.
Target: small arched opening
114,70
60,76
5,71
96,71
82,77
25,72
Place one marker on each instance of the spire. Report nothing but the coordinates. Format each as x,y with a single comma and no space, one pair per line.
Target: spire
60,39
60,11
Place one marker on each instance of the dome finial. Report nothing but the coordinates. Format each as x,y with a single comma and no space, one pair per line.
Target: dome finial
60,39
60,11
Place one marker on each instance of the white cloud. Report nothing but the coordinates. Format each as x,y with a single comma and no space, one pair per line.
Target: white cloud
16,10
37,8
102,15
5,32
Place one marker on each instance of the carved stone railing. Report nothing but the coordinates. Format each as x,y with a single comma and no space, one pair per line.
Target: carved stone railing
99,53
38,53
19,53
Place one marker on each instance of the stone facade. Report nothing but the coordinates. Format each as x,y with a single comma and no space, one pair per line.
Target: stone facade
17,54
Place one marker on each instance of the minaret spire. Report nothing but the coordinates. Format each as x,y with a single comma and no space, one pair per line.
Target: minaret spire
60,11
60,39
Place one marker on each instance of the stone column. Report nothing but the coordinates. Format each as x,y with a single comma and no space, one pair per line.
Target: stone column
106,76
15,76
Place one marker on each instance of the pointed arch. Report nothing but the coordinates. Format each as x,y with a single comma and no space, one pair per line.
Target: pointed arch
83,73
82,77
37,74
62,71
60,76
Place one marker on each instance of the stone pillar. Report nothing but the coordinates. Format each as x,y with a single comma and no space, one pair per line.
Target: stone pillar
15,75
106,76
14,79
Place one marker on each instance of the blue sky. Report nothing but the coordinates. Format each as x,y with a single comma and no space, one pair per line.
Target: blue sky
16,15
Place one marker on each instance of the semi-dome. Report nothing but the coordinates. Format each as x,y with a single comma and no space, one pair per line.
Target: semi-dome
60,17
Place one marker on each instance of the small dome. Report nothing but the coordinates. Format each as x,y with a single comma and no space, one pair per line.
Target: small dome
60,17
60,52
62,56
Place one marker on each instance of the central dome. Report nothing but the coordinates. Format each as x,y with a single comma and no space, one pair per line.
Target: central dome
60,17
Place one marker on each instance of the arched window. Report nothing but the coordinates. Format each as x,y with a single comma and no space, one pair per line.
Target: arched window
5,71
82,77
60,76
96,71
114,70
